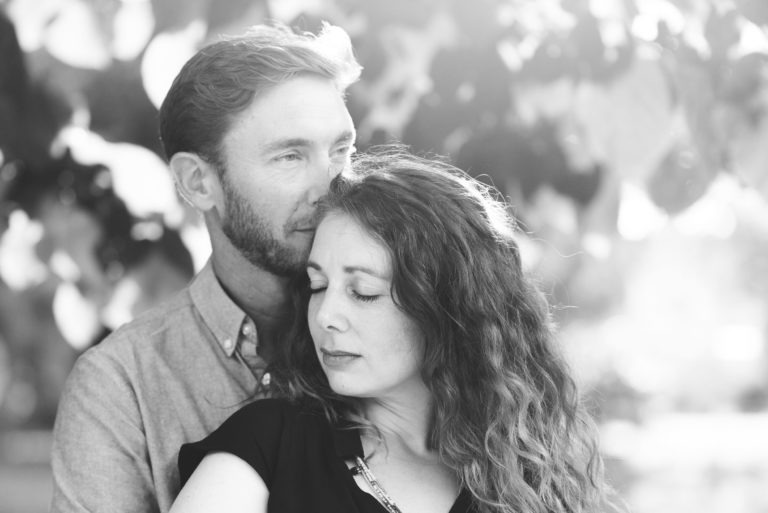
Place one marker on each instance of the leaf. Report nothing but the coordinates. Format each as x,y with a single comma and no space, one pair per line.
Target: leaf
629,122
755,11
680,179
748,153
78,37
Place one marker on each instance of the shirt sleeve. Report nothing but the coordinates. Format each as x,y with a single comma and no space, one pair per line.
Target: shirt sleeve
256,434
99,457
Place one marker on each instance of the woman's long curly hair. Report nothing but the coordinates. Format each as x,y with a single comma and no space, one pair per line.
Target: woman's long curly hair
506,414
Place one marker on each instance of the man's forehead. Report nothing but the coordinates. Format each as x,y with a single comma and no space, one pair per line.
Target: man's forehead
301,112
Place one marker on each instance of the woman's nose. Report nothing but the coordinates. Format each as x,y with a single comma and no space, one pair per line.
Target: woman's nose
330,314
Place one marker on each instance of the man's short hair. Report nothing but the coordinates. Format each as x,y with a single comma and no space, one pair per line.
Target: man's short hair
223,79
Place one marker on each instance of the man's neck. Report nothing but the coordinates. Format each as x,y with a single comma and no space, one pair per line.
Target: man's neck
263,296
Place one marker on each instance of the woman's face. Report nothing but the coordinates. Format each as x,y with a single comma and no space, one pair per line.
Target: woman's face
366,345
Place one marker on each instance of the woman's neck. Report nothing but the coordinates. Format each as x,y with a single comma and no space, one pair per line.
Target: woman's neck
403,419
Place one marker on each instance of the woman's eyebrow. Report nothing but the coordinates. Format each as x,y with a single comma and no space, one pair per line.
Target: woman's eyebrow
350,269
367,270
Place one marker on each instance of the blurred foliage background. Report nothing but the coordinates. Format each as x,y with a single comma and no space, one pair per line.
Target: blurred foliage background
630,137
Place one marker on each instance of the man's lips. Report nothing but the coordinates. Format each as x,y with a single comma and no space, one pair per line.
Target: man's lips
307,224
307,231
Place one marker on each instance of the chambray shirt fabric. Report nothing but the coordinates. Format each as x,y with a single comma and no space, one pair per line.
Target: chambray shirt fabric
169,377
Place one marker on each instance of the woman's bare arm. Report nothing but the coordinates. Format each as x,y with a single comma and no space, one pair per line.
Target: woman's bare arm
222,482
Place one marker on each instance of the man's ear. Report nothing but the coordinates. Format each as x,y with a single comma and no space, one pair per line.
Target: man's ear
196,180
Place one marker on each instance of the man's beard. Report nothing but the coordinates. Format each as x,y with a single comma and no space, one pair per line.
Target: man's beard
250,234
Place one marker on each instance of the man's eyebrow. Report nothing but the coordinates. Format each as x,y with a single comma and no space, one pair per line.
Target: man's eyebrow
346,136
281,144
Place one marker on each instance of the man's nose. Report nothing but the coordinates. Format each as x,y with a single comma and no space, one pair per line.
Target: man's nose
322,173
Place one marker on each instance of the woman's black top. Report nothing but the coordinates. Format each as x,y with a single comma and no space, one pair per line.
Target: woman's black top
298,454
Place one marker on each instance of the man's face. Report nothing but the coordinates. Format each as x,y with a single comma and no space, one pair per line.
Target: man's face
280,156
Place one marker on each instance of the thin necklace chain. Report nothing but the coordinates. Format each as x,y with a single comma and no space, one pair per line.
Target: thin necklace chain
386,500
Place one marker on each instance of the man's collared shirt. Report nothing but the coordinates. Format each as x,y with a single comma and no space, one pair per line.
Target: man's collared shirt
169,377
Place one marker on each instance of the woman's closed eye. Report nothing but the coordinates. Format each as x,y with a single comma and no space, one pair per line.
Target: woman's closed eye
317,286
365,298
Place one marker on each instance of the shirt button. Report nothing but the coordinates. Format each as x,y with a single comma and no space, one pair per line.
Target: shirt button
228,344
247,329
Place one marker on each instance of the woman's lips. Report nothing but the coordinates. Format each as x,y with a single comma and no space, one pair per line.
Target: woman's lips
337,358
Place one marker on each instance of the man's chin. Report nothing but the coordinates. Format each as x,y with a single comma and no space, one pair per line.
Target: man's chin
287,260
296,249
285,266
300,241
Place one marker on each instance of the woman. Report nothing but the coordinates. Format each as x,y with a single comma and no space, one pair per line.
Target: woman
431,365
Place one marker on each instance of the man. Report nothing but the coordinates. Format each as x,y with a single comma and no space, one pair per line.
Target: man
254,127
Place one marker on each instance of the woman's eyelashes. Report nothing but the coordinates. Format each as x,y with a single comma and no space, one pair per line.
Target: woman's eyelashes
316,288
365,298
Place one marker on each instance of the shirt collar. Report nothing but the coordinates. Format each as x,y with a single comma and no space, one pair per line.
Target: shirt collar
222,316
